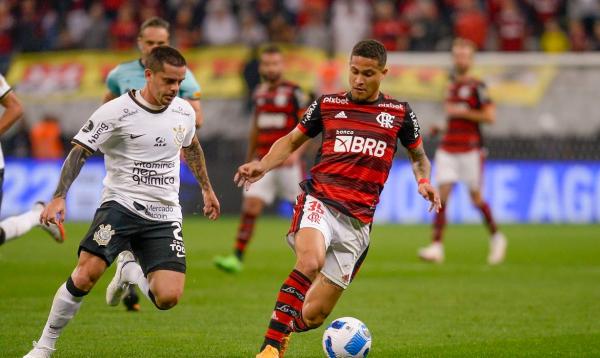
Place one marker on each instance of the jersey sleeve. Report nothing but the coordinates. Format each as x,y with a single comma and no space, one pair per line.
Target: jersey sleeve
190,89
98,128
409,134
312,122
4,87
112,83
483,94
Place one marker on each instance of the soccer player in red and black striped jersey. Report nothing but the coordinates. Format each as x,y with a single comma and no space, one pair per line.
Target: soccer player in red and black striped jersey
460,156
278,104
359,130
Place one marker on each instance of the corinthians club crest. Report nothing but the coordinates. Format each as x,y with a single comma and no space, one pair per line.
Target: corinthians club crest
103,235
179,135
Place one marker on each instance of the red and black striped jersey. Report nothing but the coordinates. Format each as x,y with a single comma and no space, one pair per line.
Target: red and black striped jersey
463,135
277,112
359,141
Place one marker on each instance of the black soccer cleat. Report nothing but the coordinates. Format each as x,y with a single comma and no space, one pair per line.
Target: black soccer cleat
131,299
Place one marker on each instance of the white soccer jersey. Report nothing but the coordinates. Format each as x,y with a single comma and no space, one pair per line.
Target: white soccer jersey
141,153
4,89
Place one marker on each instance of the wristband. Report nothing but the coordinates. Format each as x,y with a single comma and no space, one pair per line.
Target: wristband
423,181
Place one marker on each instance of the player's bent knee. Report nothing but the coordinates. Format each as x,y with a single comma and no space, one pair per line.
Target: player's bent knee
310,267
167,299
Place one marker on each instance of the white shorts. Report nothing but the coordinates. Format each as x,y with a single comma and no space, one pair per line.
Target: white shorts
346,238
459,167
282,182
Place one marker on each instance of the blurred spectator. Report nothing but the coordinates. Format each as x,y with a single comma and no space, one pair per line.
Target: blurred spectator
577,36
586,10
389,27
78,23
314,31
329,78
595,43
470,23
511,26
545,10
265,11
280,30
184,35
220,26
29,27
251,75
554,38
350,23
427,27
46,139
124,30
7,24
96,35
252,32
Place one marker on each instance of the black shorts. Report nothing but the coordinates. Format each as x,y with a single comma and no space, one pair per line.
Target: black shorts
158,245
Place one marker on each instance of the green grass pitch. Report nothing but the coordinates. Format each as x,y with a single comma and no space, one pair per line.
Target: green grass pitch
544,301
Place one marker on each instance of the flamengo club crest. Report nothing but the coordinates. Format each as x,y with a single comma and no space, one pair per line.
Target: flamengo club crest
385,120
179,135
104,234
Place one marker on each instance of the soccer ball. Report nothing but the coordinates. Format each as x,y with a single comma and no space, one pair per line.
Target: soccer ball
346,337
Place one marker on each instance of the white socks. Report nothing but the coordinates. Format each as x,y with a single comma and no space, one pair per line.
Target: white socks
18,225
64,307
132,273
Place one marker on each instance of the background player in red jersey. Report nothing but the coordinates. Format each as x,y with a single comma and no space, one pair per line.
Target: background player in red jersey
330,230
460,156
277,104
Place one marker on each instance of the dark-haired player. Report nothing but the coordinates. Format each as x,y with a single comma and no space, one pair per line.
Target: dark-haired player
460,156
141,134
277,104
360,130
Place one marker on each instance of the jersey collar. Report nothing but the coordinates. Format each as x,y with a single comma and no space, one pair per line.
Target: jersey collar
145,108
379,99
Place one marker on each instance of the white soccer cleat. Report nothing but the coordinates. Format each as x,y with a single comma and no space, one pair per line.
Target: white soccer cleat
39,351
432,253
118,286
57,231
497,249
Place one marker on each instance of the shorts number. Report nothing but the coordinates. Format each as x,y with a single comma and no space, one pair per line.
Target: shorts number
177,231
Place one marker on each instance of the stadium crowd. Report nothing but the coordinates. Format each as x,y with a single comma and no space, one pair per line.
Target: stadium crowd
415,25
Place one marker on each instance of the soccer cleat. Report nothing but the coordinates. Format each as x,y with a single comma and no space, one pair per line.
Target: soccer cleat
39,351
117,285
57,231
230,264
131,299
285,342
432,253
497,249
269,352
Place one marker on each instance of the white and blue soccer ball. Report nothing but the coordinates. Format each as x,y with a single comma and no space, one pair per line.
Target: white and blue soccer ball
346,337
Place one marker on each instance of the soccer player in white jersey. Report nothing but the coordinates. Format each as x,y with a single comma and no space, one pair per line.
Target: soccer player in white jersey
16,226
130,75
141,134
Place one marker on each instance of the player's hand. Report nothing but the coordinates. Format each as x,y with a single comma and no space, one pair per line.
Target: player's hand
249,173
54,212
434,130
430,194
212,208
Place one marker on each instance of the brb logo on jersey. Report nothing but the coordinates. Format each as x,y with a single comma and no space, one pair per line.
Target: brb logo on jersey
349,143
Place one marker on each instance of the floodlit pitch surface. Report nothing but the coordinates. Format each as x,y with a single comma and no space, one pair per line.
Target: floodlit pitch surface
544,301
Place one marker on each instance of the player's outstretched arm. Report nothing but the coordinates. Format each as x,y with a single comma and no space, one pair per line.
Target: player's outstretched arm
55,210
422,169
194,157
279,152
14,111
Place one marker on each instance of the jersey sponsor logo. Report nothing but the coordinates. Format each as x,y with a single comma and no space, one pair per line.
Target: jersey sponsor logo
160,142
415,123
336,100
155,210
179,135
180,110
126,113
391,106
271,120
309,112
134,136
101,129
358,144
103,235
88,127
147,173
341,114
385,120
